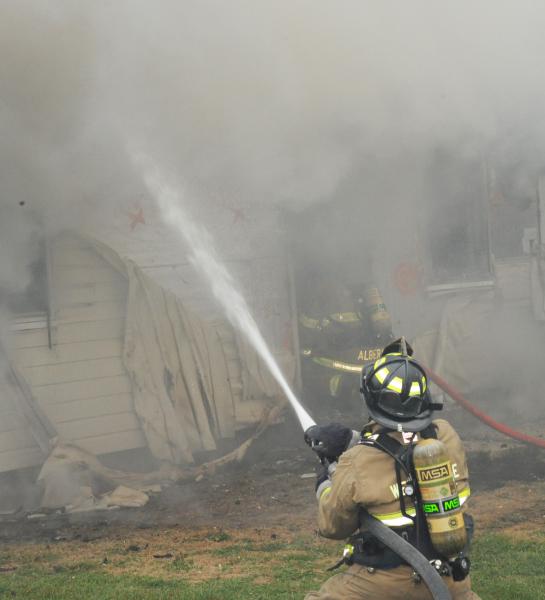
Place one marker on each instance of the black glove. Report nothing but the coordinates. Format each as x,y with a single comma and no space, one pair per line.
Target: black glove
328,441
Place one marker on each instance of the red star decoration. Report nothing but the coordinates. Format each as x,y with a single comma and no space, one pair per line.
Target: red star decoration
137,217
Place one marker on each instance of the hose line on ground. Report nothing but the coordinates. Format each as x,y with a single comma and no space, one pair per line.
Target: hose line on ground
465,403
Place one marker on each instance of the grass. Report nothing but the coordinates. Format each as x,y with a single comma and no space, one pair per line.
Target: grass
503,569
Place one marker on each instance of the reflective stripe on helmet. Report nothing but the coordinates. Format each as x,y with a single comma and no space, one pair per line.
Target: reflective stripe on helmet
379,362
381,374
396,385
384,358
415,389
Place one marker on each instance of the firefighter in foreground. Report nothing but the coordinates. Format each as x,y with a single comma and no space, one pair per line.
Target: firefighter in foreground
405,469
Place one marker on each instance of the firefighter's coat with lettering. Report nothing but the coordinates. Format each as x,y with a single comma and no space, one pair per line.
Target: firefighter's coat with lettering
365,476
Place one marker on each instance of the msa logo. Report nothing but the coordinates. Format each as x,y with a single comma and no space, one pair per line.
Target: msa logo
439,472
431,507
451,504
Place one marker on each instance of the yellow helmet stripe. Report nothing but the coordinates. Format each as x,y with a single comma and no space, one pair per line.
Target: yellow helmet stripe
379,362
415,389
396,385
382,374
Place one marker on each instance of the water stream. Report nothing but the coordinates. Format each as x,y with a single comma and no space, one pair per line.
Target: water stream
204,258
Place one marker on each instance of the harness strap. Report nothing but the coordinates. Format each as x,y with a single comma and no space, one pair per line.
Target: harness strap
402,456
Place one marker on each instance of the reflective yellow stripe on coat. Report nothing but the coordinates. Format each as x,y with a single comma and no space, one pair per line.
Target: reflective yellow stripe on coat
397,519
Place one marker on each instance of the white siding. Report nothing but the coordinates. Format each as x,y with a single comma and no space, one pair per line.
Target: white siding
80,383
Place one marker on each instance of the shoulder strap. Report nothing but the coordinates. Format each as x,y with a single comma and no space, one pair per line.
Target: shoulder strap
402,455
382,441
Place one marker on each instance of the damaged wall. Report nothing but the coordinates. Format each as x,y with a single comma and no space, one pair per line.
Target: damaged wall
130,365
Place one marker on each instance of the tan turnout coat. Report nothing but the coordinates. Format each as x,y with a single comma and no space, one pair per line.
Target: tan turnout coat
365,477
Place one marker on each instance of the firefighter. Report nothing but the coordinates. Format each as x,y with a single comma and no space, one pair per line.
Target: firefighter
368,476
342,329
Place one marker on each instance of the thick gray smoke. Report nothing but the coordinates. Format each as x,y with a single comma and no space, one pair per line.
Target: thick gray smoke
270,101
275,101
292,102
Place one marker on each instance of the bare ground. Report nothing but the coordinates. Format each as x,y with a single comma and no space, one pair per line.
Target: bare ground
198,528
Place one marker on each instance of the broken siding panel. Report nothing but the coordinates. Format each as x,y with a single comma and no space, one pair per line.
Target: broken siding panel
223,390
249,413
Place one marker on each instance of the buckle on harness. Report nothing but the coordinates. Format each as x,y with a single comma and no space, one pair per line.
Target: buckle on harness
348,553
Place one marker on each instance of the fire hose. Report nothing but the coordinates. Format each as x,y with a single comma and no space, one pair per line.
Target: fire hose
488,420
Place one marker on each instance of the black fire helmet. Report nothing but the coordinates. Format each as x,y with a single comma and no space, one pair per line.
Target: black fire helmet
395,390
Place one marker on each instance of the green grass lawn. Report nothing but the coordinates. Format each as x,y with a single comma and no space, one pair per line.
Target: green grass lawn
503,569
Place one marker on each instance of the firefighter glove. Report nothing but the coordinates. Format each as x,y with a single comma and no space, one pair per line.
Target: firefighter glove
328,441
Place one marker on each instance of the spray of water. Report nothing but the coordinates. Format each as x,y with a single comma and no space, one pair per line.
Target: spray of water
203,257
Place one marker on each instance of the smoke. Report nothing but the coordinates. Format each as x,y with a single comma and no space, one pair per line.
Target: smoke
270,101
293,103
280,101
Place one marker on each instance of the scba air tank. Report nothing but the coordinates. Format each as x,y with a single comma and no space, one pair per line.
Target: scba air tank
440,500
